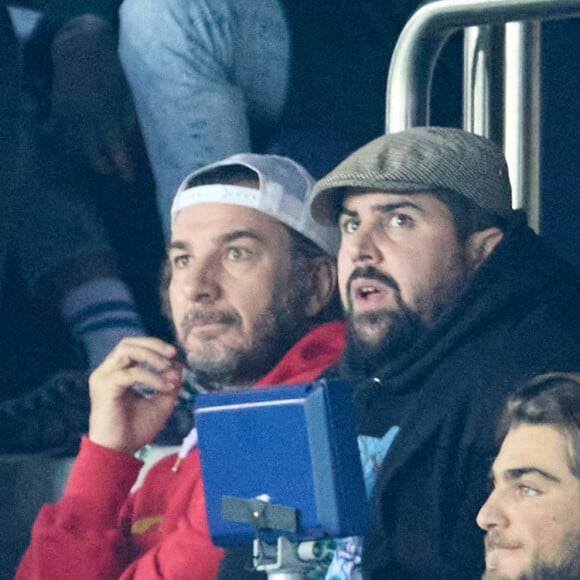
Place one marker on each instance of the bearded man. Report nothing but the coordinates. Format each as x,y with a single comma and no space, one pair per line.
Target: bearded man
451,300
251,288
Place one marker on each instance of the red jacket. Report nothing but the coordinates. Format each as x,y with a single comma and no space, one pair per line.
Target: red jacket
99,530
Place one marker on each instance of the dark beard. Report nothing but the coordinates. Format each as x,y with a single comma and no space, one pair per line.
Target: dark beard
404,329
381,335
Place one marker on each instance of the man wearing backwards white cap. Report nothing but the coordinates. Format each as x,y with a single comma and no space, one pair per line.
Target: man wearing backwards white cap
249,280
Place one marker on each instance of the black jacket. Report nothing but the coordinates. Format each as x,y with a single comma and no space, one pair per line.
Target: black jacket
520,317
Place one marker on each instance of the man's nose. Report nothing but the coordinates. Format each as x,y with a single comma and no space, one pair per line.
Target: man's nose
492,514
362,246
201,283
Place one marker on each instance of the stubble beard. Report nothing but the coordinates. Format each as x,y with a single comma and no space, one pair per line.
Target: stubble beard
568,568
216,366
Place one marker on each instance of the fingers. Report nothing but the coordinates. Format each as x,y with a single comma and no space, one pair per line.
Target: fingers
120,418
147,349
145,360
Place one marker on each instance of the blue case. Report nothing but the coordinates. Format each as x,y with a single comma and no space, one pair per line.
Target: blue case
294,443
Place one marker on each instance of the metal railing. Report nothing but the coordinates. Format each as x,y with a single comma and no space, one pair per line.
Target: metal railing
501,65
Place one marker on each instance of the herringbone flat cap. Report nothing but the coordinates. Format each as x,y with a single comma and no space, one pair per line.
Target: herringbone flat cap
419,160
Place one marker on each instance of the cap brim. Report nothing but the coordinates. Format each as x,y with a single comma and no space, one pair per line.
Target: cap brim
326,202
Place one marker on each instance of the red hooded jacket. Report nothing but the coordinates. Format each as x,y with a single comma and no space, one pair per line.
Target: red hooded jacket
101,530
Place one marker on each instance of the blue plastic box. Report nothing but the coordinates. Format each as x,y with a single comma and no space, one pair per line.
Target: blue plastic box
295,444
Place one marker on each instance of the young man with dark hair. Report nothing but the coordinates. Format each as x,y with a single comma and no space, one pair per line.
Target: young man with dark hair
450,301
532,516
250,306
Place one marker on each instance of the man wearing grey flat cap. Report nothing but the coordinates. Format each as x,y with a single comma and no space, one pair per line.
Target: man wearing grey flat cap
451,301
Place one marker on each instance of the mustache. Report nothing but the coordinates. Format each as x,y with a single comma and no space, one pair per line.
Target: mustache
372,273
198,315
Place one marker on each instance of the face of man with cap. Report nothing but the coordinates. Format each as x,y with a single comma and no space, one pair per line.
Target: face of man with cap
419,211
246,279
401,265
230,289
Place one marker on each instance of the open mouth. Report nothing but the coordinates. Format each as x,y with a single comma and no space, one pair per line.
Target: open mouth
366,291
369,294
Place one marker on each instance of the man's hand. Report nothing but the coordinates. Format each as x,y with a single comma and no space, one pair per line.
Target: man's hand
121,418
92,108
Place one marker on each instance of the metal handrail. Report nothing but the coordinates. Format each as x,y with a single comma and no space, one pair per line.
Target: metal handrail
416,53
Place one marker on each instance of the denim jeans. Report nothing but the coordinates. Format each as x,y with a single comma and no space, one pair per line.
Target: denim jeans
205,74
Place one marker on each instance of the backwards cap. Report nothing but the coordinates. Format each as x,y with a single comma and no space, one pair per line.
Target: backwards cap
420,160
284,187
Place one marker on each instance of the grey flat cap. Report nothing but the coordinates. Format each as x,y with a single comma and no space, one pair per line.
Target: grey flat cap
419,160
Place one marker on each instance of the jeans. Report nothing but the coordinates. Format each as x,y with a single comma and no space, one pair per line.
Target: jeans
205,75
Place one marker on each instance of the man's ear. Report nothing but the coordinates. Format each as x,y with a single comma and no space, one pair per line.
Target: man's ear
481,244
321,284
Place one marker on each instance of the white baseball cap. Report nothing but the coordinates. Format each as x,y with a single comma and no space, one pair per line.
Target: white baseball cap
284,189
